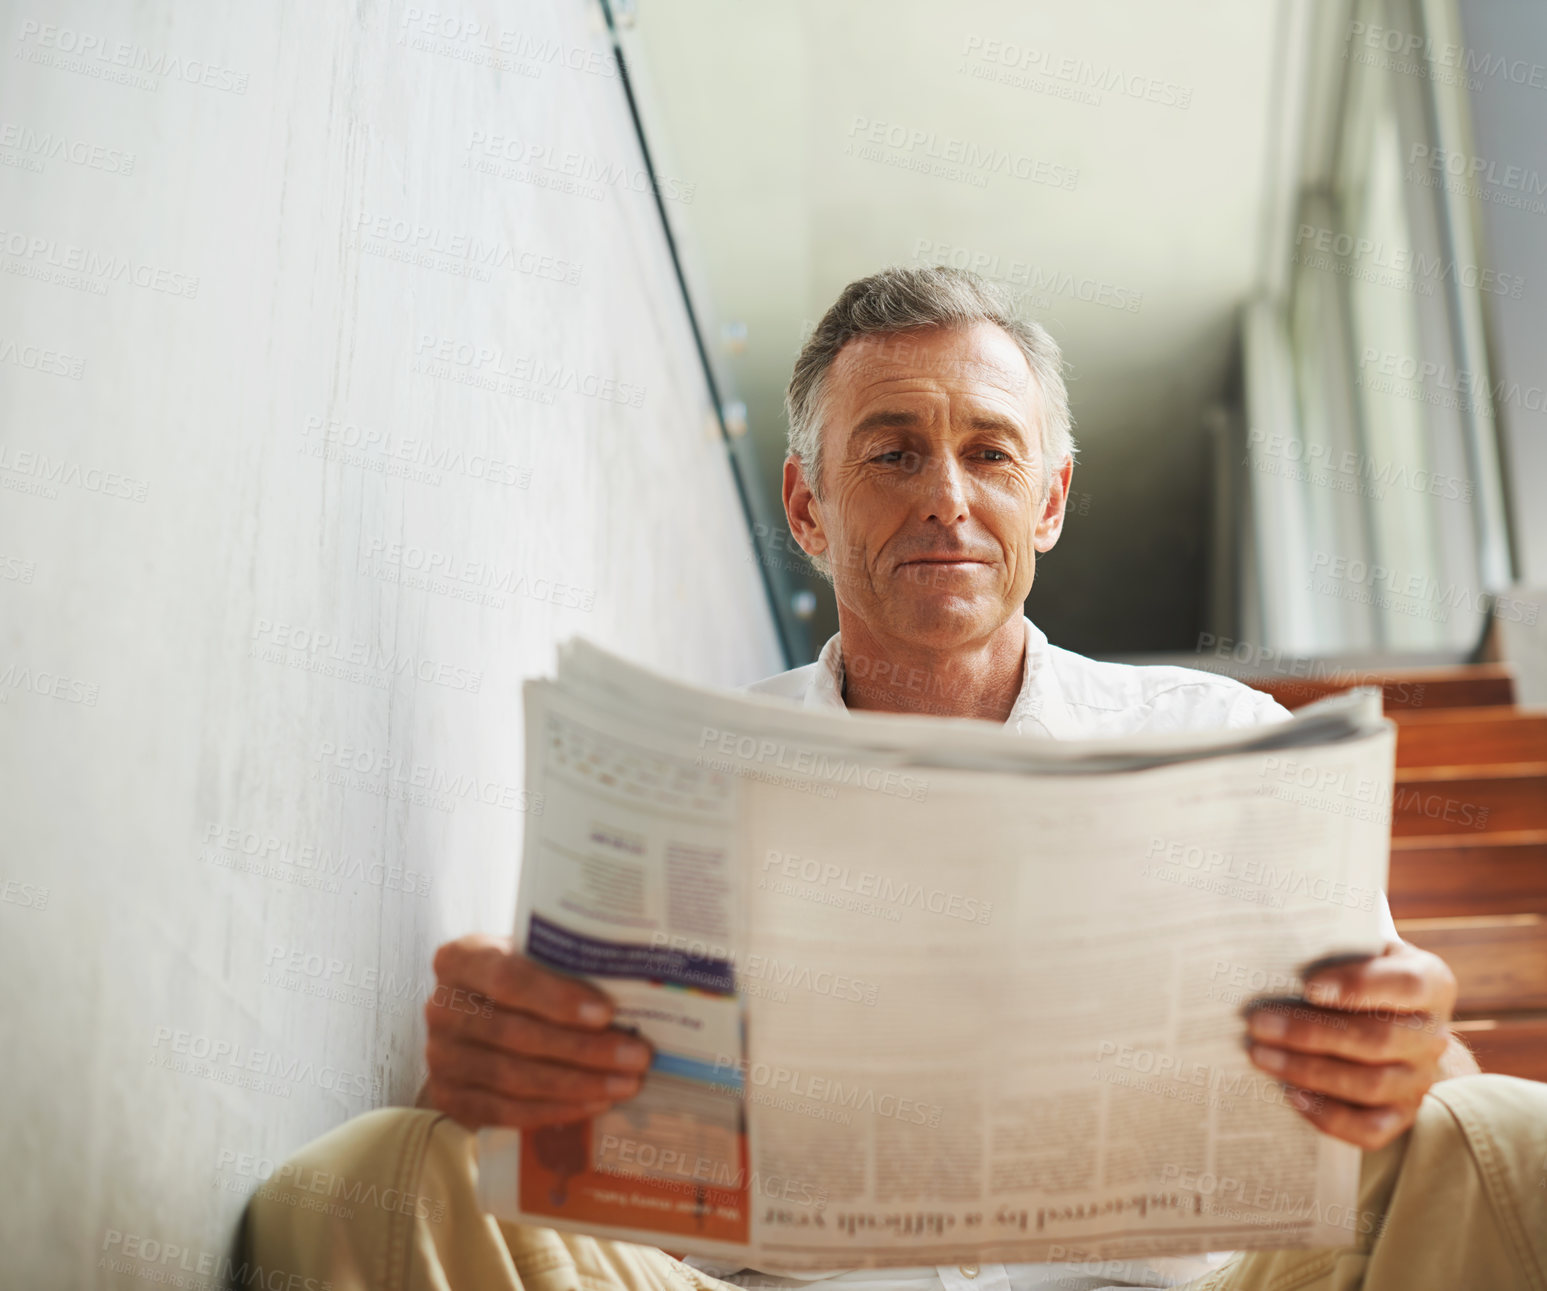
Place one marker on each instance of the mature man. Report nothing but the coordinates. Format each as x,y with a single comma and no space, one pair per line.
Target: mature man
930,460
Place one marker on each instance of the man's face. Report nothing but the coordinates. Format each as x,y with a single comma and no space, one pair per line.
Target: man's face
936,499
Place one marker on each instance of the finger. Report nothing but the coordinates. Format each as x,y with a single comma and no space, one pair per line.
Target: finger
1364,1084
1402,979
530,1037
476,1108
460,1063
1415,1038
490,967
1370,1128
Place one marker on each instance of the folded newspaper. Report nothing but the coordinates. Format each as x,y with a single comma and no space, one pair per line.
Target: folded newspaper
922,991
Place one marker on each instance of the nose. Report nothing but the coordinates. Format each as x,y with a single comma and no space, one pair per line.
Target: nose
943,489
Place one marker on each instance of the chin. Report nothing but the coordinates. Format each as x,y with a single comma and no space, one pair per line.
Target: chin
945,618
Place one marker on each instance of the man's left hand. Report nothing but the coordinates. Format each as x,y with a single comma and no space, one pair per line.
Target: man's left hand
1359,1056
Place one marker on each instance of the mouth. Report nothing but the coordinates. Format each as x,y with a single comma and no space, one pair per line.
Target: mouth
944,564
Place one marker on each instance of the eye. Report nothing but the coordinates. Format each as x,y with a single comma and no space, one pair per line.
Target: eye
996,455
888,459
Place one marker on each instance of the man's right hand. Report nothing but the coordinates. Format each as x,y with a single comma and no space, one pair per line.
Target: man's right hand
515,1044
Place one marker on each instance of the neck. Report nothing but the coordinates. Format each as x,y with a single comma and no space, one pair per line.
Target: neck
979,679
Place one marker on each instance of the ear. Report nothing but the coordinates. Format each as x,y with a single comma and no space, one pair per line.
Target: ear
802,509
1051,522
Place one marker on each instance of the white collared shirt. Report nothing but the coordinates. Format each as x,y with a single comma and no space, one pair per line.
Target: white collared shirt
1066,696
1069,697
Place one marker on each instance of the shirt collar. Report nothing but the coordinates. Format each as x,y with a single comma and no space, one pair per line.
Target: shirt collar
1038,708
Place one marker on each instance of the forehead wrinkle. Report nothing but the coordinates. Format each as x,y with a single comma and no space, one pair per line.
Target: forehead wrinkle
942,376
890,357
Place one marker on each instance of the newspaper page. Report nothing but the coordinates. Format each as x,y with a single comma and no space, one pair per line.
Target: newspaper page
923,992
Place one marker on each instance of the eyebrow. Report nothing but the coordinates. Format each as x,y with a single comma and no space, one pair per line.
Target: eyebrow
901,418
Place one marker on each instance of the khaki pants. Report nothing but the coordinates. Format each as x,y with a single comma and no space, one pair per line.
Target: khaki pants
1459,1203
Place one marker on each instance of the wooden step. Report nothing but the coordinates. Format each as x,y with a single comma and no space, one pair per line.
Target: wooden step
1404,690
1451,801
1489,873
1500,961
1511,1046
1468,874
1471,737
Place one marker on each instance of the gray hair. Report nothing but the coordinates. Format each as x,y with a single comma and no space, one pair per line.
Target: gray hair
901,300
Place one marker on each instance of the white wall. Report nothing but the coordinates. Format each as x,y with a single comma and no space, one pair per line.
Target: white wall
155,691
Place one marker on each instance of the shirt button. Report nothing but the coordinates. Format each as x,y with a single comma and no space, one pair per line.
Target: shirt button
968,1270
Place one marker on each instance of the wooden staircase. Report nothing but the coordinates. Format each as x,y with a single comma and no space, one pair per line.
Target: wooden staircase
1468,844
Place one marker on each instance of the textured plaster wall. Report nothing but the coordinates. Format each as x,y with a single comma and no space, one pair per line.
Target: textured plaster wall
342,375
